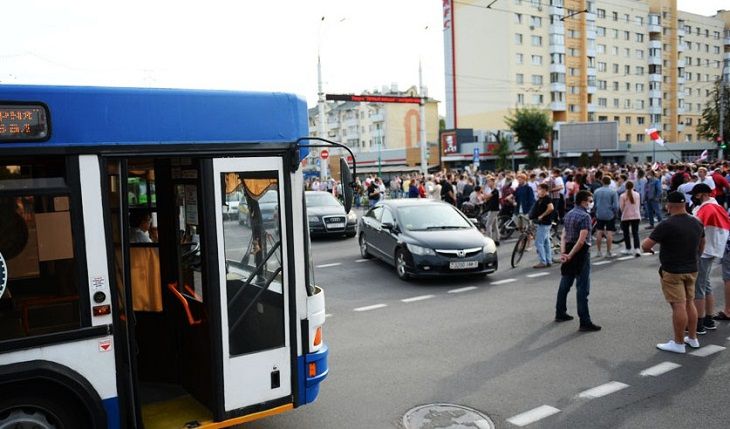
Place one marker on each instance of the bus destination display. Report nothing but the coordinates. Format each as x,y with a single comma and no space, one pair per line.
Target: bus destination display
23,123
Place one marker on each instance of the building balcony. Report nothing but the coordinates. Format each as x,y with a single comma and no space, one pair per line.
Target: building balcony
681,64
655,110
557,28
592,89
681,47
557,106
655,44
556,10
557,49
591,108
591,52
591,71
557,87
726,39
655,77
680,31
377,118
680,80
655,93
653,28
655,60
557,68
680,127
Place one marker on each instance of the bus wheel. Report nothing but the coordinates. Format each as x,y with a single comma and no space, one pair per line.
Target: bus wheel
25,412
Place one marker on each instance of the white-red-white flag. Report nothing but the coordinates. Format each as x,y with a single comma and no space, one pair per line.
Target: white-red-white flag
654,135
703,156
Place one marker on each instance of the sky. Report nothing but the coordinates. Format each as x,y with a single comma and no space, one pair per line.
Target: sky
269,45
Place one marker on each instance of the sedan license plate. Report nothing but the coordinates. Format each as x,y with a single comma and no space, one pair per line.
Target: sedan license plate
336,225
463,265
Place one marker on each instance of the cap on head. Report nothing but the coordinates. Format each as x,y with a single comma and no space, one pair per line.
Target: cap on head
700,188
676,197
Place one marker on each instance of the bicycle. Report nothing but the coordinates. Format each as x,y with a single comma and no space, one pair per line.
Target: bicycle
527,235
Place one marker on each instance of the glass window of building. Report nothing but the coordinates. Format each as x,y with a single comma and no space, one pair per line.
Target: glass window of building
518,18
536,40
520,78
518,39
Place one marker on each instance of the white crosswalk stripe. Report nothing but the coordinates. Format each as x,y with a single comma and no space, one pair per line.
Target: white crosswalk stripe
603,390
417,298
660,369
529,417
501,282
463,289
371,307
707,350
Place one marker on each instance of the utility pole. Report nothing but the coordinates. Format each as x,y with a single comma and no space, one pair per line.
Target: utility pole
422,122
322,131
723,80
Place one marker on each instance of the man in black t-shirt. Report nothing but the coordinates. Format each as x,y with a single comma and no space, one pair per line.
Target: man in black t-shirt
447,191
541,214
682,239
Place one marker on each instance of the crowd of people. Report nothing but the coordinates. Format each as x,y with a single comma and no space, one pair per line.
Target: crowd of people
694,232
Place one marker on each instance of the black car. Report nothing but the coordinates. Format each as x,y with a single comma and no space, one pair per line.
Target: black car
327,215
425,238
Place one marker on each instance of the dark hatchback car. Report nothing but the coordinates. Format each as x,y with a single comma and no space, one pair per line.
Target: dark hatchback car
425,238
327,215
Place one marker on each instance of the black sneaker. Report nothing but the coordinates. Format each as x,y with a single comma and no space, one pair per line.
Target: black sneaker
563,317
709,323
590,327
701,329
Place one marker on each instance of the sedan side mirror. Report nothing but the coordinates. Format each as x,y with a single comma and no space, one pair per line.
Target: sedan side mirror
389,226
347,184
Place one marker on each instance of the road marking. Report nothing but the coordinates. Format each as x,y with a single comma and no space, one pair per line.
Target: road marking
371,307
362,260
707,350
533,415
624,258
417,298
329,265
463,289
532,276
660,369
649,254
501,282
327,315
602,263
603,390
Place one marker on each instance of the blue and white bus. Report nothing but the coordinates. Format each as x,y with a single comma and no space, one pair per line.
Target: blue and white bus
128,295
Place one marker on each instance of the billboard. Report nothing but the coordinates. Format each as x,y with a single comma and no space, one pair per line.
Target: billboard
587,136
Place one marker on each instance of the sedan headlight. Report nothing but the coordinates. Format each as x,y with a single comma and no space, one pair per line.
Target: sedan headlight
313,219
489,247
418,250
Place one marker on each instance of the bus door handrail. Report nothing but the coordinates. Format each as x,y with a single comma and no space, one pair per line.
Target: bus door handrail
255,299
253,275
186,306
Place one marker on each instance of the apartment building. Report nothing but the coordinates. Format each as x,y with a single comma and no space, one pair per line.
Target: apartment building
641,63
364,126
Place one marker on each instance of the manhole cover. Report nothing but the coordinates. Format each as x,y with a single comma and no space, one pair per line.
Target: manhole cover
445,416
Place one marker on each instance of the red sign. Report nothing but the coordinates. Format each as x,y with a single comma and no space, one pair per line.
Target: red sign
373,98
324,154
105,345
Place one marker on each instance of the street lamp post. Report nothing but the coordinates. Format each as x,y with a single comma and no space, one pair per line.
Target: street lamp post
723,80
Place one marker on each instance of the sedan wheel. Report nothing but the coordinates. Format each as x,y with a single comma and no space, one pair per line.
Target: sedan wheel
364,248
400,265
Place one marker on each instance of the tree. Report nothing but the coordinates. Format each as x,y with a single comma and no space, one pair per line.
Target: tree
442,124
596,159
584,160
709,125
531,126
502,152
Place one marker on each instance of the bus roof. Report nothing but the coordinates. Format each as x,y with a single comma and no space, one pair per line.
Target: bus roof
104,116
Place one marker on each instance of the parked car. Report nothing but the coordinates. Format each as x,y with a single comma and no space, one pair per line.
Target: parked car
268,204
327,215
423,238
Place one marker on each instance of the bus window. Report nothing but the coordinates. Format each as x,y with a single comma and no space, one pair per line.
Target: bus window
36,241
253,264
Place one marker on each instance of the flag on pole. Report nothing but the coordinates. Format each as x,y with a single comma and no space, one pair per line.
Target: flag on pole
655,166
654,135
703,156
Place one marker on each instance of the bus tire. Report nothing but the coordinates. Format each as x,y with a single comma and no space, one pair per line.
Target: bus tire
55,409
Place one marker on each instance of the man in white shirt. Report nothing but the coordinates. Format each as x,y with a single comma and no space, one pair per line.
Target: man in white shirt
704,178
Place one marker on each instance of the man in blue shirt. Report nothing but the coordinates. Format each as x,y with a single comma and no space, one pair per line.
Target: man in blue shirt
524,197
576,262
606,213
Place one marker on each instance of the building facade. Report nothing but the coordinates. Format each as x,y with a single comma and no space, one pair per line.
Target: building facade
641,63
365,126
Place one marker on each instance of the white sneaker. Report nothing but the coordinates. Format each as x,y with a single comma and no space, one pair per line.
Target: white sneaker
626,252
671,346
599,254
694,343
637,252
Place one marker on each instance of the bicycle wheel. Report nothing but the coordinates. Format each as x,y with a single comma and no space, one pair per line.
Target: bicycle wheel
519,249
618,237
506,228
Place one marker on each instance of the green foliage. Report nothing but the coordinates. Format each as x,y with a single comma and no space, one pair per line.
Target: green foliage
442,124
596,159
502,152
584,160
709,125
531,126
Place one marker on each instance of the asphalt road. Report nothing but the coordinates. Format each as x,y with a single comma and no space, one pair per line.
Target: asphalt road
491,344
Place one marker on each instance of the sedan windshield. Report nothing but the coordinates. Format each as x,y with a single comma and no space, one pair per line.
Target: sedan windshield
321,200
431,217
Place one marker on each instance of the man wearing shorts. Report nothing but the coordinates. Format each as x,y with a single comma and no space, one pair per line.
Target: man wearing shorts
682,239
606,203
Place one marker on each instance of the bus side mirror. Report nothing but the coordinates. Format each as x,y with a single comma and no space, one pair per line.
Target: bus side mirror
347,184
